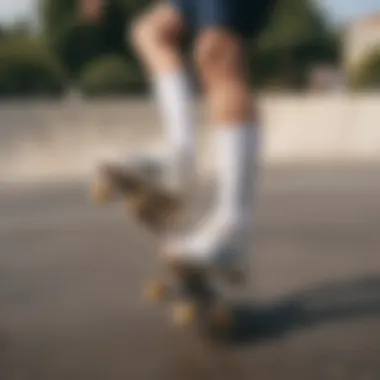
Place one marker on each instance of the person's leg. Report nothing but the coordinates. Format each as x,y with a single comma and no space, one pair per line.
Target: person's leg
156,37
221,59
221,63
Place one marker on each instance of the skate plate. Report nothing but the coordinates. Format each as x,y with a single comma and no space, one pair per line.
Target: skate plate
153,206
189,292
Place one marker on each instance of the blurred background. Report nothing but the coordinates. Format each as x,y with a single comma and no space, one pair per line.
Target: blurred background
71,89
50,47
71,274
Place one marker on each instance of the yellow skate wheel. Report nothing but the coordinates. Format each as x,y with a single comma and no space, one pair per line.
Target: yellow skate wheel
156,291
102,192
136,203
184,313
220,316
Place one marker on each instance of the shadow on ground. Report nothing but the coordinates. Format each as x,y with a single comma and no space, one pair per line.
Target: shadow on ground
327,303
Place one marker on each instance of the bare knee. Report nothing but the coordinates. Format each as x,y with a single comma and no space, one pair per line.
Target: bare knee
219,57
155,28
142,32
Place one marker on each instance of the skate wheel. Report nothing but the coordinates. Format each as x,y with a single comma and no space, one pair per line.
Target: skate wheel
178,267
220,317
184,313
102,192
156,291
135,204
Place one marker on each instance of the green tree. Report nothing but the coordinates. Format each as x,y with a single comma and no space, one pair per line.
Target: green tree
27,68
294,22
21,28
111,75
367,74
298,35
78,42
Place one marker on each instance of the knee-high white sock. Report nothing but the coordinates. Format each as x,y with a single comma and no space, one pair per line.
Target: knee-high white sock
226,230
175,100
237,152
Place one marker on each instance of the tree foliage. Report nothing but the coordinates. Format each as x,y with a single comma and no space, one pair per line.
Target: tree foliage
297,37
367,75
111,75
294,23
78,42
27,68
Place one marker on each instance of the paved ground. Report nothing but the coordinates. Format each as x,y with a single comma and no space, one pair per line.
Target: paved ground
71,274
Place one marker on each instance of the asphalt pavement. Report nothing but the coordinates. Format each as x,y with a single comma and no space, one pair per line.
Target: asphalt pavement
71,276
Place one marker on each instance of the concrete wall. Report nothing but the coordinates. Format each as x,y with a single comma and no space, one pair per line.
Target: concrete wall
41,139
362,37
337,128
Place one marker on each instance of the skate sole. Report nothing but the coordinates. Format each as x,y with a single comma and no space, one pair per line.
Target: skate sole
155,207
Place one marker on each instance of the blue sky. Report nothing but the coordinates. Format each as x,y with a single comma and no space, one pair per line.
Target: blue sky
339,10
345,10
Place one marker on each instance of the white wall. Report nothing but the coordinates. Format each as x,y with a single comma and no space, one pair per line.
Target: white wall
362,37
65,139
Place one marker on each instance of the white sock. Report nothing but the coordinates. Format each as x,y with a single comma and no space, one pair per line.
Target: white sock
226,230
174,95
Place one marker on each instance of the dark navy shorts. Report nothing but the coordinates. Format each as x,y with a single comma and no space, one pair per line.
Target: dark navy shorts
247,18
